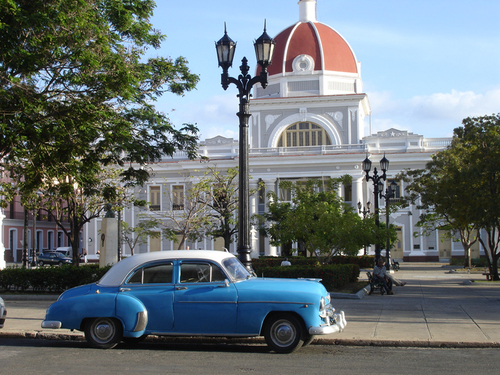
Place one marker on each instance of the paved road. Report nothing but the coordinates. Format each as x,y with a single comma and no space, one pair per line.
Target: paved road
21,356
436,308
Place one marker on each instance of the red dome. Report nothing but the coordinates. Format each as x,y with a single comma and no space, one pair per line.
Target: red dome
328,49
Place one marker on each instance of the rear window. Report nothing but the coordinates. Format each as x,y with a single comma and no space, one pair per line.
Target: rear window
154,274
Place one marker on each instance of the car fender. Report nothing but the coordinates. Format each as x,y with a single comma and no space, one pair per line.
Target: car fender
72,312
133,314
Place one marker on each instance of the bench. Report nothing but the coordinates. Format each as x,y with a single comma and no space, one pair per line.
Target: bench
375,284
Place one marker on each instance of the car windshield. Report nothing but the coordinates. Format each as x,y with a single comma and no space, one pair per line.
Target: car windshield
237,270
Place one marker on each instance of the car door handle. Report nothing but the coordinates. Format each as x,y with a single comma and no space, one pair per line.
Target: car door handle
181,288
125,289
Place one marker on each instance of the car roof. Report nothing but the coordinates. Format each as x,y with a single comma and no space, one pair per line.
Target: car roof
52,252
117,273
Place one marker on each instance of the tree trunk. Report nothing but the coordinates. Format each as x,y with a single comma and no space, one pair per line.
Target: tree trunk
491,252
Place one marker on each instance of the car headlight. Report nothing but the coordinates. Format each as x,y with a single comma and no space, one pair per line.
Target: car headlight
322,303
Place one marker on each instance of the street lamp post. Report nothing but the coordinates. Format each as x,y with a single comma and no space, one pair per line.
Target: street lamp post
390,192
264,48
365,211
384,166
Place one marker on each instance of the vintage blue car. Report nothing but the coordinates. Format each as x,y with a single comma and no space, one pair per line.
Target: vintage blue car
195,293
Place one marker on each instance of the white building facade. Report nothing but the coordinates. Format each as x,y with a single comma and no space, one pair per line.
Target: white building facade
310,122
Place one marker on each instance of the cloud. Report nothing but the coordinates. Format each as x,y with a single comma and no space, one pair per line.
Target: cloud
457,105
434,115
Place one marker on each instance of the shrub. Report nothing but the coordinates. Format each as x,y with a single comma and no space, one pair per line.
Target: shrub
332,275
364,261
49,279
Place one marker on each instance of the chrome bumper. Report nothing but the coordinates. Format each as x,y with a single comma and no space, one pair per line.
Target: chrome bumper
338,326
51,324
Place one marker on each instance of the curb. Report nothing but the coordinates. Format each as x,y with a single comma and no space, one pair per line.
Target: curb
35,335
30,297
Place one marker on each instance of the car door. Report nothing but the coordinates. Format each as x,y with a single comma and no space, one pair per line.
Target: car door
153,285
205,302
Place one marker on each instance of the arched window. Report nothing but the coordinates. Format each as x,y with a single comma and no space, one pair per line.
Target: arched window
303,134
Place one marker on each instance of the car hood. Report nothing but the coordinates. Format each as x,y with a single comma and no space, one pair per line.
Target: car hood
280,290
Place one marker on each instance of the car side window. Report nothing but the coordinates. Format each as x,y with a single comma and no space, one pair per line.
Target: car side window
155,274
201,273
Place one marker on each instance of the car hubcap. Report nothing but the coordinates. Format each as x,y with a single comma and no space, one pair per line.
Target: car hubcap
103,330
284,333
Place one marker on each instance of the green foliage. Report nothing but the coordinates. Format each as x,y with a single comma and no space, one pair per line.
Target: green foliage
364,261
139,234
48,279
328,226
460,187
332,276
77,92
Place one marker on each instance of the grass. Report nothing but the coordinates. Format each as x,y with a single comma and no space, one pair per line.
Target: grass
488,281
351,288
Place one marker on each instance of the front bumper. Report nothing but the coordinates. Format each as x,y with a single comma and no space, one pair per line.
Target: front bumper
51,324
338,325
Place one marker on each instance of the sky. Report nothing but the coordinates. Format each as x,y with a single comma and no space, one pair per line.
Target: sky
425,64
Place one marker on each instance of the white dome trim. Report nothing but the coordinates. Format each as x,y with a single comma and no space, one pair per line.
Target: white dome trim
283,63
327,125
303,64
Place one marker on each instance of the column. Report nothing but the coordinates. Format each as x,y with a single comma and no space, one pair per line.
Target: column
2,247
357,192
254,235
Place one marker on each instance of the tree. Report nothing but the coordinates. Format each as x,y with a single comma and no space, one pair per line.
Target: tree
460,187
219,192
319,218
220,195
139,234
478,144
186,216
66,200
77,93
440,190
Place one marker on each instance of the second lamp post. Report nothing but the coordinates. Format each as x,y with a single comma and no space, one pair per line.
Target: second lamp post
390,192
384,166
264,49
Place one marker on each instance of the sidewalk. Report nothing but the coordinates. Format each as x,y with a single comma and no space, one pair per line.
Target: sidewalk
436,308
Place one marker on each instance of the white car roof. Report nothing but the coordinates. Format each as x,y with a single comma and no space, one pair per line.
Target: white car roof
116,275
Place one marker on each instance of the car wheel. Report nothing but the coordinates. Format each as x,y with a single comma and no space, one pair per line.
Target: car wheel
283,333
308,339
40,263
60,264
103,333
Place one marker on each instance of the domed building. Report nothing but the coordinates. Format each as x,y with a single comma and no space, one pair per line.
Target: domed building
315,92
309,122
